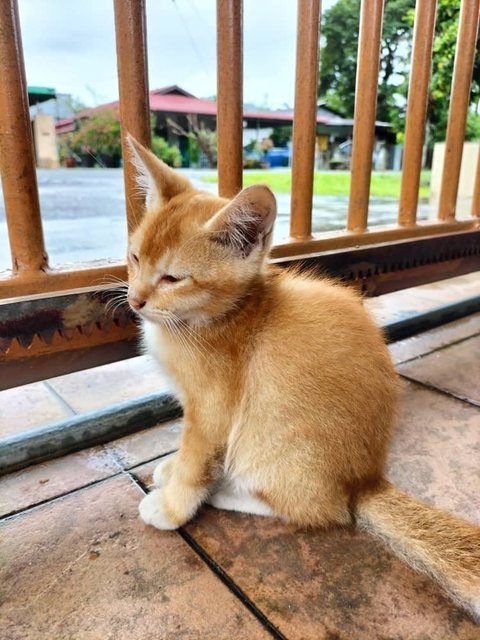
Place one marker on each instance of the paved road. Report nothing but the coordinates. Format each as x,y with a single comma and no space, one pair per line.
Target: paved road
84,213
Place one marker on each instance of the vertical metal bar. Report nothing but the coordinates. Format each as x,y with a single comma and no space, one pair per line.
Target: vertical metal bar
17,157
230,96
131,36
305,118
368,61
424,31
476,189
459,100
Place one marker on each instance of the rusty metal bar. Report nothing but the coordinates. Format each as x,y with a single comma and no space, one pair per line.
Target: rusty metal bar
304,118
424,31
476,189
459,101
17,157
368,61
230,96
131,37
87,276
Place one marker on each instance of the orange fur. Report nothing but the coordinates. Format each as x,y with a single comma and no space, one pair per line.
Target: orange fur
288,389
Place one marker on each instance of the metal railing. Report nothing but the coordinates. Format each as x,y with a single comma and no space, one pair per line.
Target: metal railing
35,338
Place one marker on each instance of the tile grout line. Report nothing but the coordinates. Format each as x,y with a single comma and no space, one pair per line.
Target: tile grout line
231,585
121,471
435,349
60,398
60,496
217,570
449,394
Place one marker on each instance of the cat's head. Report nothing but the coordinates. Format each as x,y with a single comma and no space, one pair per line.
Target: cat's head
194,255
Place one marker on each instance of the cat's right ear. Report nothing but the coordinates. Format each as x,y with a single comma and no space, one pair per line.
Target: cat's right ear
159,182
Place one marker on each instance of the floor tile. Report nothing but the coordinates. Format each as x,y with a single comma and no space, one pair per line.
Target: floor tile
145,445
103,386
31,405
455,369
322,585
22,489
436,449
424,343
84,567
144,473
344,584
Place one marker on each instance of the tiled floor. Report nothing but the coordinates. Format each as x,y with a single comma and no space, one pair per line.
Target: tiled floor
76,563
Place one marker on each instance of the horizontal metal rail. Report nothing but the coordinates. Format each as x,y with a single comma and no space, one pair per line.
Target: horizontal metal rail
55,336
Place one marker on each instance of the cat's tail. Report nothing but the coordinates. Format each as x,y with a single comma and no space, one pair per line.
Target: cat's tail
429,540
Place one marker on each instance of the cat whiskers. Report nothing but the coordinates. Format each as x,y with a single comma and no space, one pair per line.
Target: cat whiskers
198,340
177,333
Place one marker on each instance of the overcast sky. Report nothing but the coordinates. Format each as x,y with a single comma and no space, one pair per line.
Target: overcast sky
69,45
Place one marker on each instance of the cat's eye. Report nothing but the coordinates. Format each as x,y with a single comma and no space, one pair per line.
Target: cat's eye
134,258
168,279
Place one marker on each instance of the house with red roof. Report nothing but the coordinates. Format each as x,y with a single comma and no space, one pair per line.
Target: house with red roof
175,104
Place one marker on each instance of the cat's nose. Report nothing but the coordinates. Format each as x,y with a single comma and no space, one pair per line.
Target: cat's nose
136,303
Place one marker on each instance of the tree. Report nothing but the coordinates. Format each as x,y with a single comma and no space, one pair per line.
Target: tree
99,137
203,137
442,71
170,154
338,55
338,62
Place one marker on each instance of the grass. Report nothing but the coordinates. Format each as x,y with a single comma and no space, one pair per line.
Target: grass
332,183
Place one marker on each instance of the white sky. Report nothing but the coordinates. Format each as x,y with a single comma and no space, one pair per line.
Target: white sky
70,45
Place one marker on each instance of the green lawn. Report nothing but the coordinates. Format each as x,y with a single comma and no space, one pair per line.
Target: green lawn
331,183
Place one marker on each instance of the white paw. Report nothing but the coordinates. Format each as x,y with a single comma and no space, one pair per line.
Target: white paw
151,511
163,471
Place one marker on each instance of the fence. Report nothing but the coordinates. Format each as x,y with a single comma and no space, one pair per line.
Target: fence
55,320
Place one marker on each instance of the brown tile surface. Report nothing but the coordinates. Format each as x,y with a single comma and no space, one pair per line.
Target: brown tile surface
95,388
343,584
95,572
144,473
132,450
436,450
455,369
41,482
31,405
424,343
324,585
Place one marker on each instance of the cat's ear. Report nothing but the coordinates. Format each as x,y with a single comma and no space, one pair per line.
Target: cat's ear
159,182
246,222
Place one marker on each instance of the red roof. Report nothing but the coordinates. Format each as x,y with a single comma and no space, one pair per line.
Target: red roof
175,100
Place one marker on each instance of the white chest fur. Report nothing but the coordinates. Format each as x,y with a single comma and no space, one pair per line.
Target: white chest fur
156,344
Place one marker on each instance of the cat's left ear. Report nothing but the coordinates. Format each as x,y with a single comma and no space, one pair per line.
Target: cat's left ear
158,180
246,222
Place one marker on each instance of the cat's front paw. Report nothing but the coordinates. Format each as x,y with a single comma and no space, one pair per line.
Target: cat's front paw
152,511
163,471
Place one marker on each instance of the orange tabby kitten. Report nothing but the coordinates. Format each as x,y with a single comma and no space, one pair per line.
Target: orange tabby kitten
288,390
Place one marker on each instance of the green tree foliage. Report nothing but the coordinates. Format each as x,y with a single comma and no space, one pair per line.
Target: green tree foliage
95,141
338,55
281,136
442,72
170,154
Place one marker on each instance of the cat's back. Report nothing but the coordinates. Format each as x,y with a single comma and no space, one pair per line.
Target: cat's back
319,330
319,309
